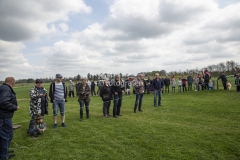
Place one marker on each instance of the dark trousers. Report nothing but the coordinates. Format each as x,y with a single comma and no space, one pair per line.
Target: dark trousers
71,93
93,91
82,108
117,102
138,102
225,85
184,87
167,89
106,106
206,84
189,86
43,110
238,88
6,135
173,89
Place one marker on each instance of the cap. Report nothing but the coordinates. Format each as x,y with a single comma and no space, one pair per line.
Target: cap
58,75
38,81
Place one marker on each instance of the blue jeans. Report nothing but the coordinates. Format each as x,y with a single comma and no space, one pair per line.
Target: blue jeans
159,94
179,88
138,102
117,104
6,135
82,103
59,104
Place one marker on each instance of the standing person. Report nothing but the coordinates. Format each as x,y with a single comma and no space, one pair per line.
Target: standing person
8,104
89,84
149,83
106,94
39,100
158,85
237,82
224,80
117,90
210,85
99,84
76,87
93,88
196,83
127,86
206,78
173,83
190,82
166,84
179,85
71,87
184,83
139,90
58,96
83,97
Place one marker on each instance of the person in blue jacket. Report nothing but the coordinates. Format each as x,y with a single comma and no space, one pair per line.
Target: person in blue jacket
158,86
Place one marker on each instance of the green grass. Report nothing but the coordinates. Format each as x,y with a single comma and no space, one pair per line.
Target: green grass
189,125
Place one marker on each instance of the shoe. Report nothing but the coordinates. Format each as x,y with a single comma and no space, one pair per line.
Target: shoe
119,115
81,119
55,126
140,110
10,151
10,156
63,125
106,116
115,117
159,105
134,111
155,105
109,115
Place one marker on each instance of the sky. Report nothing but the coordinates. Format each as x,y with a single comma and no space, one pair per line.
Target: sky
40,38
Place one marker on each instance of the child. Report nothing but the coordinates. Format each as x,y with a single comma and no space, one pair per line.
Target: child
237,83
210,85
179,85
196,83
173,85
184,82
37,126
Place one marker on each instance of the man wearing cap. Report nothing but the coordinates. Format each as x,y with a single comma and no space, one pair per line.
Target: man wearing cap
39,100
8,104
224,80
58,96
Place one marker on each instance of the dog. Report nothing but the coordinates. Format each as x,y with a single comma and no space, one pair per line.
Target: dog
229,86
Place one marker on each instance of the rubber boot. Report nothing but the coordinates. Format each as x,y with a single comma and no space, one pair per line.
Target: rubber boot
135,108
87,112
81,114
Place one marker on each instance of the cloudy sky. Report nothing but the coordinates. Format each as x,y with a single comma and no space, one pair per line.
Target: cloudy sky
39,38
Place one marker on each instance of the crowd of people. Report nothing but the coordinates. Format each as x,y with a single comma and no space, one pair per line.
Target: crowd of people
108,90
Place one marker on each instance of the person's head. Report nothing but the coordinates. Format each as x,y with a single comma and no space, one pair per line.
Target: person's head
58,77
10,81
106,82
39,119
70,81
84,81
166,76
156,75
38,83
117,77
140,76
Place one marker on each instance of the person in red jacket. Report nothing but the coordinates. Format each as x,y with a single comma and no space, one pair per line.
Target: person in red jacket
184,82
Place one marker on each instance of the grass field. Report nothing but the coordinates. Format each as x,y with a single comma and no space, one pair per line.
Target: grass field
189,125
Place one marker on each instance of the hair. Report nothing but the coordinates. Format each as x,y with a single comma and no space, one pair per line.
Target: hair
84,79
9,80
156,74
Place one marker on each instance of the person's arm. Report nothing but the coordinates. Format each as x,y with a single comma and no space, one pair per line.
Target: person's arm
5,101
34,95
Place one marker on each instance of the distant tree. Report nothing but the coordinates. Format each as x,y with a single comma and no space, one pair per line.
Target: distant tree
30,80
78,77
88,76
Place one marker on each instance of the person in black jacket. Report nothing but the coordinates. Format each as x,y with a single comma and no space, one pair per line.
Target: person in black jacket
117,90
106,94
58,96
8,104
206,78
166,84
190,82
93,88
224,80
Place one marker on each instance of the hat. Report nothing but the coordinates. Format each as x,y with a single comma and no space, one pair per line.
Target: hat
39,117
38,81
59,76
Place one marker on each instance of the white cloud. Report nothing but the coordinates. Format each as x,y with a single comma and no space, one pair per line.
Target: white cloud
64,27
23,20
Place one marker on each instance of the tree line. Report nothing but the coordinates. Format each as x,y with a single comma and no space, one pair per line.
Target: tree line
229,67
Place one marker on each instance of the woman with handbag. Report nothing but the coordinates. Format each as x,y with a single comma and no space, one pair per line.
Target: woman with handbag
106,94
83,97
